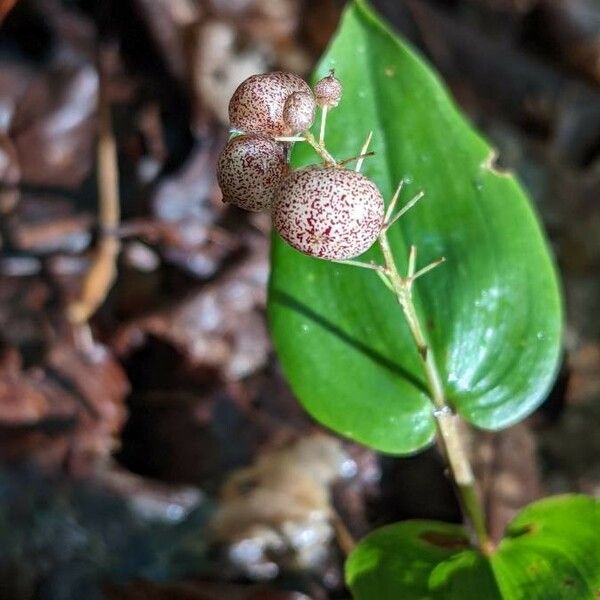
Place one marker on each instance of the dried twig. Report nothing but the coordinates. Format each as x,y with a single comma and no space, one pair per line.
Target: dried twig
102,273
345,540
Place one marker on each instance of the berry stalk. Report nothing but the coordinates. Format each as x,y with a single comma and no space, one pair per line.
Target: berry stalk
319,149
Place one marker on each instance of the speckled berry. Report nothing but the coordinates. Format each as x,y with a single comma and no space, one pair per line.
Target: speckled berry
250,170
328,212
328,91
299,111
257,104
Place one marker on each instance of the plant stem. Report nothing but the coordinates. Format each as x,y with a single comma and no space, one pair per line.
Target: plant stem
446,421
322,129
319,149
462,474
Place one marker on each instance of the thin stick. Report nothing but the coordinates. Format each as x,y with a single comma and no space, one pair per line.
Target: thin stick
290,138
404,209
357,263
323,122
363,151
428,268
346,542
412,261
393,202
360,157
103,270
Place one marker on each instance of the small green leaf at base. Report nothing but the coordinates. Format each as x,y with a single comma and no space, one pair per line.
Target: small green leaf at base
551,551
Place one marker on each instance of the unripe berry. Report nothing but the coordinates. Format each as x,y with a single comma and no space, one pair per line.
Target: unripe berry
328,212
250,170
299,111
257,104
328,91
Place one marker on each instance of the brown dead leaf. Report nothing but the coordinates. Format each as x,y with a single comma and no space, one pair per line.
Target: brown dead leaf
54,126
5,8
164,21
71,403
10,175
584,383
23,316
36,414
101,385
46,224
221,325
30,397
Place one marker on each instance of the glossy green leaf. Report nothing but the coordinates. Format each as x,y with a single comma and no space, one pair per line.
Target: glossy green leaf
551,551
492,311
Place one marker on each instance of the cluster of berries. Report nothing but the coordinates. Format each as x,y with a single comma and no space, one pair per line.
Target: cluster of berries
323,210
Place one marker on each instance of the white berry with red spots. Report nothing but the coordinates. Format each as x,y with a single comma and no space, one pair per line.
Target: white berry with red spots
299,111
328,91
257,104
250,170
328,212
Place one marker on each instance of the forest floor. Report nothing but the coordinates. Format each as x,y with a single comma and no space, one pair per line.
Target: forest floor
146,448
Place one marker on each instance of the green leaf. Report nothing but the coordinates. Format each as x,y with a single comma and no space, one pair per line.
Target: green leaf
551,552
397,561
493,310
